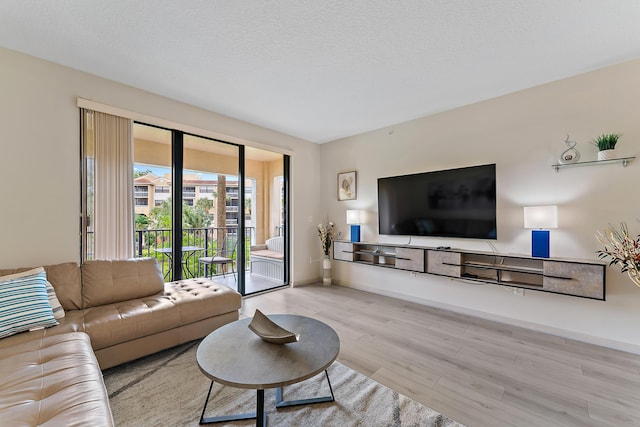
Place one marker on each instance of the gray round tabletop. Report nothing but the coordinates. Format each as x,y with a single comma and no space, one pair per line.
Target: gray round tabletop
235,356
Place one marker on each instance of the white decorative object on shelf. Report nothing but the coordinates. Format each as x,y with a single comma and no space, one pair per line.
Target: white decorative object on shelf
571,154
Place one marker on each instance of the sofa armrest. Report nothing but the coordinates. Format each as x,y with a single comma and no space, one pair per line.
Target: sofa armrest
258,248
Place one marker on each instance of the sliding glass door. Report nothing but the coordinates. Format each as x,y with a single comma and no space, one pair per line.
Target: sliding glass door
212,229
202,208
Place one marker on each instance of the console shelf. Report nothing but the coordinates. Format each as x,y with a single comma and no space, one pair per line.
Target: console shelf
581,278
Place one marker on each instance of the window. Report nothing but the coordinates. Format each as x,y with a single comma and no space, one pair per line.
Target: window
221,195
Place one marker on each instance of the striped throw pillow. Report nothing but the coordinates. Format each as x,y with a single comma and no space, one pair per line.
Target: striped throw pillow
24,304
58,311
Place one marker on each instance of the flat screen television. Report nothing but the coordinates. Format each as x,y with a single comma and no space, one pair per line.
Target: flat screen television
446,203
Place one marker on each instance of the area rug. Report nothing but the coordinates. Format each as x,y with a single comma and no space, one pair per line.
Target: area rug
168,389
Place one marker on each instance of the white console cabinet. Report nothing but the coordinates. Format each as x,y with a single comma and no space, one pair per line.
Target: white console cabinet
581,278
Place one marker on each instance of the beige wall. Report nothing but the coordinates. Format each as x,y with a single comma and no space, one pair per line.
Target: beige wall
522,133
39,161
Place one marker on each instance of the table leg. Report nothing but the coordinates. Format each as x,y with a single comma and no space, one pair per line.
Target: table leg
261,418
280,403
185,263
168,273
259,415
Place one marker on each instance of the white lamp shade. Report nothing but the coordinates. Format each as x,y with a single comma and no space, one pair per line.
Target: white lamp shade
355,216
541,217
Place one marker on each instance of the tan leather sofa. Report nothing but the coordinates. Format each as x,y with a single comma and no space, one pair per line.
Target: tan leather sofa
51,381
126,311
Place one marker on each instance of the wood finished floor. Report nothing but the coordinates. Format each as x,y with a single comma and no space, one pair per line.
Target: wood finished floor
478,372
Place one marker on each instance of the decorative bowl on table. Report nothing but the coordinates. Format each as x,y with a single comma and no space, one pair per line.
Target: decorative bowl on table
270,331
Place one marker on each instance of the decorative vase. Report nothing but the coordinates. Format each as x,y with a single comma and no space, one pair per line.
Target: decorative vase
606,154
326,271
634,275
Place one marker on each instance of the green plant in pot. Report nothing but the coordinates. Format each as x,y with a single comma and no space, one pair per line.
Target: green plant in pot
606,144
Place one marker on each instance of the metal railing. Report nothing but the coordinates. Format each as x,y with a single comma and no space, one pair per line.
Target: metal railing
207,241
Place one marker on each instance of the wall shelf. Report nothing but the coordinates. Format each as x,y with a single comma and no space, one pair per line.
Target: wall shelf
623,160
580,278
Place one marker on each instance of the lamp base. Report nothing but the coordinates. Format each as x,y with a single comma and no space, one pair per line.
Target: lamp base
355,233
540,243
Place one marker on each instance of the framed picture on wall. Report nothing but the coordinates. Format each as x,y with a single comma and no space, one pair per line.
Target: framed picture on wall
347,186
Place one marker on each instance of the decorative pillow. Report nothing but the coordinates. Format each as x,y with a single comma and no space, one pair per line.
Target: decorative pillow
24,304
58,311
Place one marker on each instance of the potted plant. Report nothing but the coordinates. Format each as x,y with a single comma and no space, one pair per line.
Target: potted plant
327,235
606,144
622,249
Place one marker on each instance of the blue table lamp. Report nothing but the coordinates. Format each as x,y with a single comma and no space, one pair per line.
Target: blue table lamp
355,217
540,219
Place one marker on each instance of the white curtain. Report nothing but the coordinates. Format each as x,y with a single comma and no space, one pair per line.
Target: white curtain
114,213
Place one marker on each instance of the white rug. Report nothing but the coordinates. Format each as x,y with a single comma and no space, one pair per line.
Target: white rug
168,389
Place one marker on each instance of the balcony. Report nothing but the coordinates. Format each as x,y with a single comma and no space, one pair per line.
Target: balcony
149,242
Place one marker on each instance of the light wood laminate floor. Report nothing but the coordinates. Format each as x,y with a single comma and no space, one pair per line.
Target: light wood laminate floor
479,372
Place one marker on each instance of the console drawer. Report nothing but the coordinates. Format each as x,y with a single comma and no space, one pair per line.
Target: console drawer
343,251
410,259
444,263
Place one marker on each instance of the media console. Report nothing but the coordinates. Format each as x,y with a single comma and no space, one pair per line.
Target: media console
581,278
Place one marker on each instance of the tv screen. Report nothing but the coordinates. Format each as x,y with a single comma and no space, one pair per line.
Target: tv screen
447,203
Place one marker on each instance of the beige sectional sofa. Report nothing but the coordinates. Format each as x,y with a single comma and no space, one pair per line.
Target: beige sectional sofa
115,311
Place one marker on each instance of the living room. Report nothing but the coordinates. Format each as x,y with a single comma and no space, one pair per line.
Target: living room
522,132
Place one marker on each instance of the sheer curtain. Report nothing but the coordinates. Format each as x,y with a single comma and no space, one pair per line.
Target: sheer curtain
113,187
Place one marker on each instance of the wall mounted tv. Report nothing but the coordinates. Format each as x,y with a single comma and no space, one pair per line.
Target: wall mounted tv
446,203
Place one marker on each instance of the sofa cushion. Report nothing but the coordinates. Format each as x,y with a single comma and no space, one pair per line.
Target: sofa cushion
201,298
24,304
106,282
65,279
124,321
182,303
52,381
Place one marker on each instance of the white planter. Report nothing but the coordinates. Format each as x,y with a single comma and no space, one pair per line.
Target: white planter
606,154
326,271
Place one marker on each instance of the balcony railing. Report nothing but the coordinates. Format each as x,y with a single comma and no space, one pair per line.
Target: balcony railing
208,240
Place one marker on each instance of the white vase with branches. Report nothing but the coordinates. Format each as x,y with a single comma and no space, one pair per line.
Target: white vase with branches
326,233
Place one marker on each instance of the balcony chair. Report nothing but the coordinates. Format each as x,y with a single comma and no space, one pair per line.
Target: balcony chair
221,257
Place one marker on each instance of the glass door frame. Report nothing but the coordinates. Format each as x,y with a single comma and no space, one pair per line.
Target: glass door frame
177,172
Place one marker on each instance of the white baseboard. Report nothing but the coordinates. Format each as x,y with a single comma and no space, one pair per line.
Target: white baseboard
305,282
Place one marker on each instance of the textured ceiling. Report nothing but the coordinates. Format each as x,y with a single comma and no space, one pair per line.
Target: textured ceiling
324,69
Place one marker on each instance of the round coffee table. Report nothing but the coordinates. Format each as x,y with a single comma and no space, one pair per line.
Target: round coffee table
234,356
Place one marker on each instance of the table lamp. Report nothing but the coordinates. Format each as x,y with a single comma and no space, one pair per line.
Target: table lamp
540,219
355,217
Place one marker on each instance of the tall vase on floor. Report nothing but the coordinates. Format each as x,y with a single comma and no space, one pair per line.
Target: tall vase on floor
327,234
326,271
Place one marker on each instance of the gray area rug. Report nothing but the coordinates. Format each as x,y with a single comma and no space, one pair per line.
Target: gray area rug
168,389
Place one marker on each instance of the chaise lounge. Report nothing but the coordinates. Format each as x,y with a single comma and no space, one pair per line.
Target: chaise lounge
115,311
